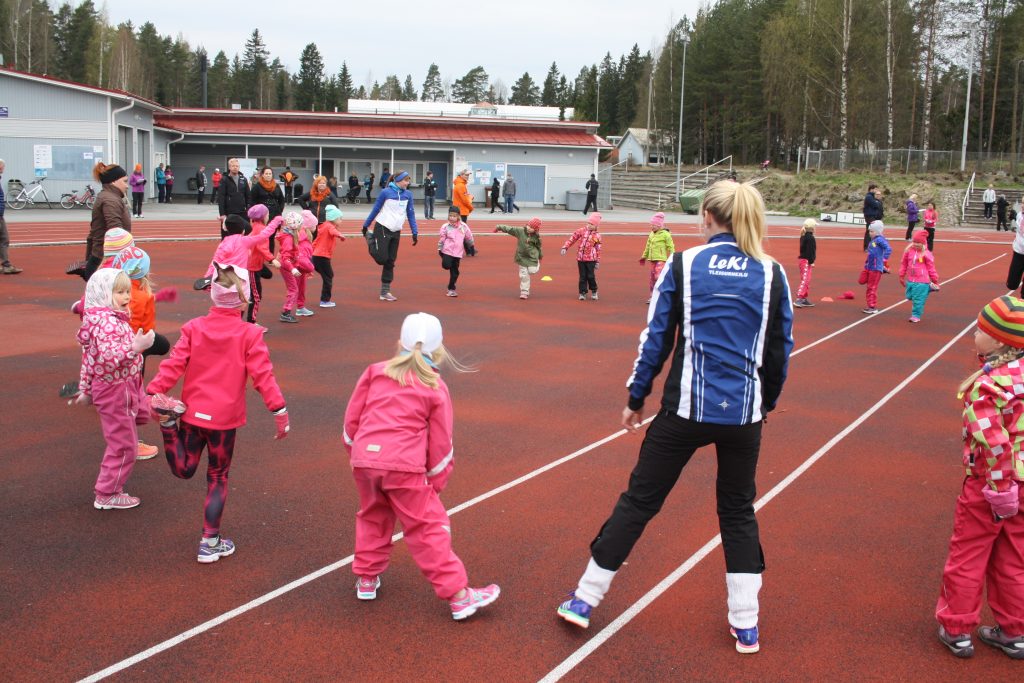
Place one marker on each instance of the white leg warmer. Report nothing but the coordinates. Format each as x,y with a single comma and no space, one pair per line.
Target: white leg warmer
594,583
743,590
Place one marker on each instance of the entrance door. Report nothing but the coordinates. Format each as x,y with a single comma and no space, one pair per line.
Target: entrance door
440,170
529,182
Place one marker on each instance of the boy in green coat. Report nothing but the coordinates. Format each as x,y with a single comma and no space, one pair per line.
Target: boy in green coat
659,249
528,252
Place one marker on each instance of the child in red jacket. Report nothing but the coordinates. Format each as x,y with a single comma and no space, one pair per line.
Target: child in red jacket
398,433
217,354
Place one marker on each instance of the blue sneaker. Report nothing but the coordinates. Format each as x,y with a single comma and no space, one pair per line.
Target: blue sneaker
211,553
575,611
746,640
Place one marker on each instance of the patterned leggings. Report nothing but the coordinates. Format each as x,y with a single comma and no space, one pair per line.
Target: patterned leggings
184,446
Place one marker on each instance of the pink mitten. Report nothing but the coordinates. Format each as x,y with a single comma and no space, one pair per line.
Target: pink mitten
1004,503
281,420
166,294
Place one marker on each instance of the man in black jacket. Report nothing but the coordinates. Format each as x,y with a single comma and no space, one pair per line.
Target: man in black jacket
429,192
873,210
233,196
200,184
591,194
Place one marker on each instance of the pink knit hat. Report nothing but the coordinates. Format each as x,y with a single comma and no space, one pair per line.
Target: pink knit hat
594,219
658,220
308,219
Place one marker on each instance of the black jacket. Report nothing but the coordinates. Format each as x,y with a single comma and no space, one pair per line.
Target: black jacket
233,198
872,207
592,187
808,247
318,209
429,187
273,200
200,179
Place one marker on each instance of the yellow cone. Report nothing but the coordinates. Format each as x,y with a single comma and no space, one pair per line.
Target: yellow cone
546,278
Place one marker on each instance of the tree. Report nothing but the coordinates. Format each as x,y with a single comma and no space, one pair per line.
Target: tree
525,92
472,87
250,80
309,85
391,88
549,96
408,90
432,90
344,87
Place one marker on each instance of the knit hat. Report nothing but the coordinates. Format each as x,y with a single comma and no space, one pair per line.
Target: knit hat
1003,320
236,225
333,213
421,328
138,167
308,219
594,219
920,237
877,226
292,220
258,212
113,173
115,240
133,261
534,223
657,220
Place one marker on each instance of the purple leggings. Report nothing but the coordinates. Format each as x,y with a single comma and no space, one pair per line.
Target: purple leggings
184,446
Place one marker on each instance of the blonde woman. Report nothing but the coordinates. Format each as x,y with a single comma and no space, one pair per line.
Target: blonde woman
729,335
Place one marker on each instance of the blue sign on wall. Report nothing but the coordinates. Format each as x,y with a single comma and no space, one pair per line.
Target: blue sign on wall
3,112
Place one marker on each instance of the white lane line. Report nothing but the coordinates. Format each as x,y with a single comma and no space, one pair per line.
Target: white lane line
301,581
573,660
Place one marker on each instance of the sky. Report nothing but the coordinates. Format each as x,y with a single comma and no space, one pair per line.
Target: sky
376,39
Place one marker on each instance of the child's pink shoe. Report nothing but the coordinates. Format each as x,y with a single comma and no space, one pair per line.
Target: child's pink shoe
474,599
165,408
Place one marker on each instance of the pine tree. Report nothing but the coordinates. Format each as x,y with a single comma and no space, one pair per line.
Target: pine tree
344,87
408,90
432,90
525,92
549,95
472,87
309,84
251,78
391,89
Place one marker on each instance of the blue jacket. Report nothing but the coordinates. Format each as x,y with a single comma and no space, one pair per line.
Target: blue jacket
734,322
911,211
392,212
873,210
879,252
161,179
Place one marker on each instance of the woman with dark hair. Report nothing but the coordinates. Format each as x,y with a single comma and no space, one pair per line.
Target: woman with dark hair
267,192
169,180
109,211
495,193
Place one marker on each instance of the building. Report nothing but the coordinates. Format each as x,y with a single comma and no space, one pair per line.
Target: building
546,156
641,147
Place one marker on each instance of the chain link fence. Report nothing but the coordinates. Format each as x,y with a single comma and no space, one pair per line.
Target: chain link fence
912,161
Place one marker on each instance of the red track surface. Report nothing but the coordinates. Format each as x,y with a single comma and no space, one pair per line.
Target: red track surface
854,546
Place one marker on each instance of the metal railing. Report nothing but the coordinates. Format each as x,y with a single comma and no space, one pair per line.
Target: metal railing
967,197
706,171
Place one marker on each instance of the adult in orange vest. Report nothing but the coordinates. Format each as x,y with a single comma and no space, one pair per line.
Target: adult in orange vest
460,195
288,178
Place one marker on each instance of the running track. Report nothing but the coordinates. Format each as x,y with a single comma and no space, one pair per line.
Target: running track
854,542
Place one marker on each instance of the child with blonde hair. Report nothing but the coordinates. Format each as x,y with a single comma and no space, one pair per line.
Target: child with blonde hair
987,546
918,274
398,434
456,240
808,252
295,255
658,250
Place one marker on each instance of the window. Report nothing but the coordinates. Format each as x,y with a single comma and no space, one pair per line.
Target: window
414,169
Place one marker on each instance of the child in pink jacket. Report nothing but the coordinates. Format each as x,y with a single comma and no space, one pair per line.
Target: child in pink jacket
259,257
111,379
218,354
918,274
296,257
588,254
452,246
398,433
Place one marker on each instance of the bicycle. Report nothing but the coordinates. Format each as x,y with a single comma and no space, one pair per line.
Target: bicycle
70,200
27,194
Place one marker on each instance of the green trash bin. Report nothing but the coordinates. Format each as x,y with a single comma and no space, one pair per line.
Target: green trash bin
690,200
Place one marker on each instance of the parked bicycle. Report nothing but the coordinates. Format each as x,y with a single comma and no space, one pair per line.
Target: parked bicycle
27,195
87,198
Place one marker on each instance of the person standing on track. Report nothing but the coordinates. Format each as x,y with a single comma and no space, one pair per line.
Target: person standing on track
875,265
461,196
808,252
110,211
721,311
394,206
398,434
657,251
987,547
588,255
873,211
233,195
918,274
5,237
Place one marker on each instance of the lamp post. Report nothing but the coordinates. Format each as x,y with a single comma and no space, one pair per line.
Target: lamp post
679,134
1013,125
967,104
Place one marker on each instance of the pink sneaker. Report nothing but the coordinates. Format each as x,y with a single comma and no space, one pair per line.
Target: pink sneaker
118,501
913,319
146,452
165,408
474,599
366,587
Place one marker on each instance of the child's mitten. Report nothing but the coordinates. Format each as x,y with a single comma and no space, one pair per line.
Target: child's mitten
1004,503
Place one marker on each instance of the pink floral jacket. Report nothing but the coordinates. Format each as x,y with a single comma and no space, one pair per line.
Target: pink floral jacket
590,244
106,339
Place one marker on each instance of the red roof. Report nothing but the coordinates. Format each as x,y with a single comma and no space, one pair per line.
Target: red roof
382,127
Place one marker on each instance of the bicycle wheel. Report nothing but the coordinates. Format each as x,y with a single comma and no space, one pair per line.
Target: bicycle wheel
19,201
89,201
67,201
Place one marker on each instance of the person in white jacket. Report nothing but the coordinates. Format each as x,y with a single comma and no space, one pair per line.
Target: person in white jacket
1016,270
989,199
394,206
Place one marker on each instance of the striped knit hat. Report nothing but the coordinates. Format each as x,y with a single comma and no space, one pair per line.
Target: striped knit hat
1003,320
115,240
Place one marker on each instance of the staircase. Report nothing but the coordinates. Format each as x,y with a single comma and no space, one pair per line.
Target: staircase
975,213
653,188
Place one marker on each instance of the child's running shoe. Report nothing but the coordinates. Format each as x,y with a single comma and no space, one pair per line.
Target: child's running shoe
327,304
165,408
287,317
913,319
366,587
304,311
222,547
452,293
474,599
583,297
994,636
575,611
593,297
959,644
118,501
145,451
869,310
746,640
388,296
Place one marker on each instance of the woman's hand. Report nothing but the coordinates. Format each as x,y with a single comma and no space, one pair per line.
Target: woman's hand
632,419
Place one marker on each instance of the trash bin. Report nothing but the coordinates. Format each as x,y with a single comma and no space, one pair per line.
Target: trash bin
690,200
192,184
575,200
14,186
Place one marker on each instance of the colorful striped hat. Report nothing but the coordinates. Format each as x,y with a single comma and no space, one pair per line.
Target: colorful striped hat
116,239
1003,320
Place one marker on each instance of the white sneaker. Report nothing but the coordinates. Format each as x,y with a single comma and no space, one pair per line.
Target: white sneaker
304,311
327,304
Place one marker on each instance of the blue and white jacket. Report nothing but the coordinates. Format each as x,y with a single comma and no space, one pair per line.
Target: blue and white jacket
394,205
734,322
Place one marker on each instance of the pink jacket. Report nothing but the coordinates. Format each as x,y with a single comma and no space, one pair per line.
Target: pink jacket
590,243
931,217
453,240
295,253
217,354
235,250
107,356
992,419
918,266
402,429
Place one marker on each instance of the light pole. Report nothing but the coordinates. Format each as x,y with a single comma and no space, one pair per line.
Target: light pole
967,104
679,134
1013,125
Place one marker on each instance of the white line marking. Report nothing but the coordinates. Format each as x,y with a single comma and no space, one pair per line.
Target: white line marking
323,571
573,660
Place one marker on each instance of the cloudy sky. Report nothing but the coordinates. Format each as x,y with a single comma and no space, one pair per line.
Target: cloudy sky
377,38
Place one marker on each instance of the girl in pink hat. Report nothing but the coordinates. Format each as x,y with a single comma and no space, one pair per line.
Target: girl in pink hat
588,254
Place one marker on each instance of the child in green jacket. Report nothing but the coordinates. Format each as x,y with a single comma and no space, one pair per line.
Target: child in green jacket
659,249
528,252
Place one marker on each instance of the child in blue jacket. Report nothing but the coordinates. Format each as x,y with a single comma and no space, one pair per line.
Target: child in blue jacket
876,264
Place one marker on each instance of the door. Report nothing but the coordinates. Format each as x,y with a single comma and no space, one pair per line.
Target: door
529,182
440,170
125,153
144,159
